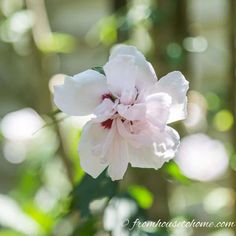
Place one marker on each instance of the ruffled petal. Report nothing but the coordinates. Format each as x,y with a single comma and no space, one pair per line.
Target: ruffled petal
93,147
138,134
166,142
145,157
134,112
121,73
150,76
127,72
117,156
105,110
80,94
158,105
162,150
176,86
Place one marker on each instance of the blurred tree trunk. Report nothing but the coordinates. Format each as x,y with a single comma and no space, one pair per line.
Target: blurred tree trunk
119,4
181,32
120,8
232,89
40,28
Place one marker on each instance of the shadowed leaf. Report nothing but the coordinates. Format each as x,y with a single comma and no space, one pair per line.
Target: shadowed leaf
90,189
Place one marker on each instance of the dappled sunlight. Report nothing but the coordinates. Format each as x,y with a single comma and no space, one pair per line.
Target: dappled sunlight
202,158
12,216
21,125
197,111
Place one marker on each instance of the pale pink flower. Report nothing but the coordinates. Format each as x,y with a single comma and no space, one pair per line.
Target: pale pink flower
132,111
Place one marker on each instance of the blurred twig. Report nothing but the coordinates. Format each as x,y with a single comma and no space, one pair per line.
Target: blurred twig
50,124
62,152
120,7
41,28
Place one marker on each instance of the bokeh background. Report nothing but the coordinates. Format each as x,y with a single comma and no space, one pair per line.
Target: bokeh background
43,190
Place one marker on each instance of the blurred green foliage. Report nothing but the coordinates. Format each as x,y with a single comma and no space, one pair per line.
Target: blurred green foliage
90,189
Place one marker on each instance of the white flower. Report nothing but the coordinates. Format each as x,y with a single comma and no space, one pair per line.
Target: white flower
132,110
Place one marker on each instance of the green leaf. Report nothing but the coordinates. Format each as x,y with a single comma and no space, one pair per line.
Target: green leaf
10,233
173,170
142,195
87,227
57,42
53,113
99,69
108,31
90,189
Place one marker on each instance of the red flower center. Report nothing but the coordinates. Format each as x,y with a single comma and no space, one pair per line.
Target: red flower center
107,124
107,95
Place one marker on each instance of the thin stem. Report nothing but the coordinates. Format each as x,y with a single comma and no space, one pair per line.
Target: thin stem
62,152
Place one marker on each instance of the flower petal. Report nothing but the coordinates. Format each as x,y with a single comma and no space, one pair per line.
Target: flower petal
80,94
163,148
145,157
158,105
92,148
150,75
117,156
121,75
128,70
166,142
134,112
105,110
138,134
176,86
